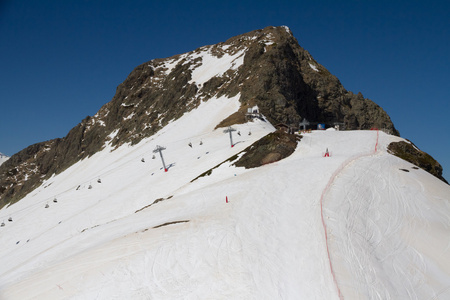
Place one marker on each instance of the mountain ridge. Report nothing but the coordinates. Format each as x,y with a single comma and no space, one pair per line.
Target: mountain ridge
266,67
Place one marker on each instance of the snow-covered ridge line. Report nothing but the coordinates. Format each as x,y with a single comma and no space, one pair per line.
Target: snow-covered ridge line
3,158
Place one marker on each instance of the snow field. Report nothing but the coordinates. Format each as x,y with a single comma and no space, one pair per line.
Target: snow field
212,66
268,242
243,250
127,185
388,236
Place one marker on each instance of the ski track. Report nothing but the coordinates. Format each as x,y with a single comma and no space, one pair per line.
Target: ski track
322,199
371,258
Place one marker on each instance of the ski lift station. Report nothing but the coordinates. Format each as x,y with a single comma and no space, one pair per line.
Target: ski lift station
253,112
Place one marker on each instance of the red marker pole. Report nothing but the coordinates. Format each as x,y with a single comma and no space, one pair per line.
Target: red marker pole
226,199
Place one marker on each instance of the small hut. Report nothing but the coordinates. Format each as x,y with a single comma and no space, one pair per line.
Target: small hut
253,112
284,127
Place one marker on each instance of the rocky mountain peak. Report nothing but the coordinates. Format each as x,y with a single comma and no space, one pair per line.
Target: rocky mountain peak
266,67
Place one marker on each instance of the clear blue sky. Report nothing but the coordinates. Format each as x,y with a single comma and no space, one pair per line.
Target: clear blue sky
62,60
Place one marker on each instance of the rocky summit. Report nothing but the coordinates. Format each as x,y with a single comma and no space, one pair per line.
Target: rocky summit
267,68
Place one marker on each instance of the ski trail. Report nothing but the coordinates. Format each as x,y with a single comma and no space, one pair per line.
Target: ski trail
324,193
383,233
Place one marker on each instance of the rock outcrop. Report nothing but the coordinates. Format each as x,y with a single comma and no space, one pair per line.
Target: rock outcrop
412,154
272,148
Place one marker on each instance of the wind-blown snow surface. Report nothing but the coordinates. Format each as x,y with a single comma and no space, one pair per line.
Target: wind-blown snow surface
388,230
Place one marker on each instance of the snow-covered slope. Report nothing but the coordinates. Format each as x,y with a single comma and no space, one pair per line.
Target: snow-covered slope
3,158
354,225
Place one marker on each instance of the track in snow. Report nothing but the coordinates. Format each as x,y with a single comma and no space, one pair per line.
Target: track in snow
324,193
378,219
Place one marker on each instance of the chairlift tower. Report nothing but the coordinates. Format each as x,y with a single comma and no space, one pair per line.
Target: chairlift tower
303,124
230,129
159,149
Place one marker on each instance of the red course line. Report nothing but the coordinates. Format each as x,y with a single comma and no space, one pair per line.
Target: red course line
338,170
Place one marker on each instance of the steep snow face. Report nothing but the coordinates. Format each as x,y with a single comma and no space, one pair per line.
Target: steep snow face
313,67
287,29
353,225
212,66
3,158
208,62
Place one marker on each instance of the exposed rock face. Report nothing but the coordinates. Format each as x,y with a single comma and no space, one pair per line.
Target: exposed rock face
267,67
412,154
271,148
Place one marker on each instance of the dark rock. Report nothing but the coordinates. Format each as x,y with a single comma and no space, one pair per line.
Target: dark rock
412,154
271,148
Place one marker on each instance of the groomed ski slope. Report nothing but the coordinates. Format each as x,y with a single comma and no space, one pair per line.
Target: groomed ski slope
389,226
387,229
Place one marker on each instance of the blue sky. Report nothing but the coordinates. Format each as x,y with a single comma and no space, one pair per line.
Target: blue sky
62,60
